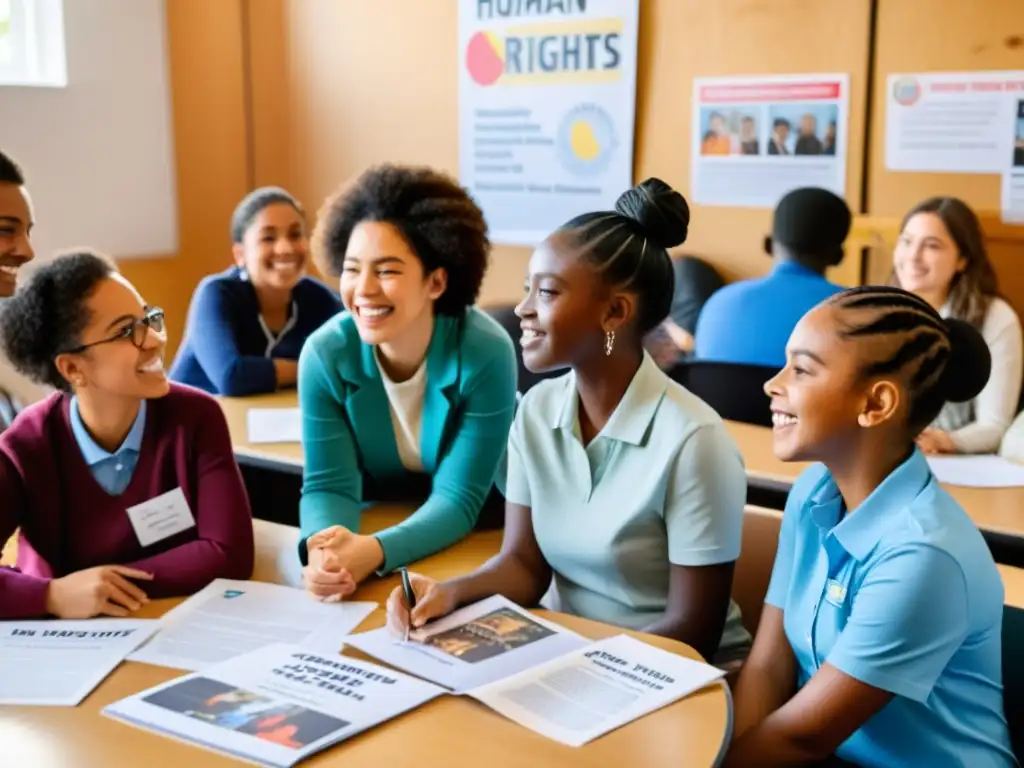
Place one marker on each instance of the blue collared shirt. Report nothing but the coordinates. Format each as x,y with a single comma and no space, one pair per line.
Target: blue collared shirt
750,321
903,595
113,471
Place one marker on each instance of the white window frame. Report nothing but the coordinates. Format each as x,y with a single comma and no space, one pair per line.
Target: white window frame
37,37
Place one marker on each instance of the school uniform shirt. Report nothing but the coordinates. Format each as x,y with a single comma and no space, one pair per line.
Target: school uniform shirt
228,348
69,521
369,439
901,594
978,426
750,321
662,483
113,471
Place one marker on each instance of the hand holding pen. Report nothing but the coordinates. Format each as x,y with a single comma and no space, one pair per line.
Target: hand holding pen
416,601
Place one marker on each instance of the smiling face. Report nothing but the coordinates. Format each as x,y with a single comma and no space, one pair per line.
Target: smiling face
821,401
15,230
563,309
274,248
117,367
926,258
383,284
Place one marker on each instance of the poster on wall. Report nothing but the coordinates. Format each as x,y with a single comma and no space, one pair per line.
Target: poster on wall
757,138
952,122
1013,174
547,94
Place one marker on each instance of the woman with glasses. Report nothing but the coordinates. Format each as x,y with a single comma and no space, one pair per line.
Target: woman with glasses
247,325
122,485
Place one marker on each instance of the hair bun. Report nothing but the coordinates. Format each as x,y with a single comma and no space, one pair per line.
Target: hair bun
660,212
970,362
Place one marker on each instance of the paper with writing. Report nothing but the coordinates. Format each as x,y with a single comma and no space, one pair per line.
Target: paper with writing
230,617
58,663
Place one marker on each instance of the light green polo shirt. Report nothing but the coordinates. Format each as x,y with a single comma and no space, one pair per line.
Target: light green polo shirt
662,483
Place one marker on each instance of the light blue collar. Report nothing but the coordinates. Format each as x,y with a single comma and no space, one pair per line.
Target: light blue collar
860,531
91,451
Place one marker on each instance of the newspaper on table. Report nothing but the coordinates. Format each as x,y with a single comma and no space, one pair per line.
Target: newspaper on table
274,706
539,674
230,617
59,663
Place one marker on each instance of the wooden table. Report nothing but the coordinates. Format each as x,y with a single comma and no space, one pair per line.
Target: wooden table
994,510
283,457
450,731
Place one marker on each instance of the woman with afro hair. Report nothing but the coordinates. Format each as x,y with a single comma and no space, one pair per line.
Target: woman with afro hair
412,390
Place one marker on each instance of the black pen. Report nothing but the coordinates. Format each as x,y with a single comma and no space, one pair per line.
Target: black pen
410,598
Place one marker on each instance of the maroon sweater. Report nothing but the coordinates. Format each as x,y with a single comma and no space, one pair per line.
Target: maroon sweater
69,522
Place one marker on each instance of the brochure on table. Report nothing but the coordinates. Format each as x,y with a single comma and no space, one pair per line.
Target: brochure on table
59,663
275,706
473,646
539,674
230,617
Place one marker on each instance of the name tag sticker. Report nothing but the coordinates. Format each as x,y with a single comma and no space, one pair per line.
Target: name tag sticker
160,517
835,593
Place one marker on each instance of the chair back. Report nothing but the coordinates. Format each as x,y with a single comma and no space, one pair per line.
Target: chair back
1013,676
735,391
507,318
757,557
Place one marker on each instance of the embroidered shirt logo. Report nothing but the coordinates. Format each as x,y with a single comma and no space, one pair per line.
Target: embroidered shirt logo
835,593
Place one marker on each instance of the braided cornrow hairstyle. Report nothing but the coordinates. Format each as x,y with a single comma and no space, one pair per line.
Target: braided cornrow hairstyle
942,360
440,221
629,246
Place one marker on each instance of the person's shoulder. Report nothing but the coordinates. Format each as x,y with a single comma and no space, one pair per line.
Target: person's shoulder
483,340
684,410
545,400
32,424
333,337
998,317
185,403
311,289
226,282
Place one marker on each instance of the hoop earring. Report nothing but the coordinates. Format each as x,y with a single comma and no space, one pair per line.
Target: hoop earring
609,342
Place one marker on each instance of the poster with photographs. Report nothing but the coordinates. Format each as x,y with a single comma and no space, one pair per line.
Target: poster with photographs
1013,176
490,635
757,138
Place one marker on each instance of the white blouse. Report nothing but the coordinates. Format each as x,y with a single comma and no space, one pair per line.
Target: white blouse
406,401
978,426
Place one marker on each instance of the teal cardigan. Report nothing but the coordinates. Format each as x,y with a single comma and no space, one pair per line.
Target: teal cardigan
468,408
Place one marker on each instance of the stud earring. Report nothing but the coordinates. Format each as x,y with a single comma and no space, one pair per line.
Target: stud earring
609,342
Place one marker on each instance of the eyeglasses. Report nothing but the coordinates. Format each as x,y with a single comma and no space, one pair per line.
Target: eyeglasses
136,333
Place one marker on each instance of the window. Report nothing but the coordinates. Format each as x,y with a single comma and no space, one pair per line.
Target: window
32,43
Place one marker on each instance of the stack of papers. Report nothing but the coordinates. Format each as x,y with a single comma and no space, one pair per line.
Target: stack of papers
539,674
977,471
229,618
274,425
59,663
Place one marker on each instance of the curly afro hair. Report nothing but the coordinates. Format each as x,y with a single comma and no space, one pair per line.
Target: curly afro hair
436,216
46,315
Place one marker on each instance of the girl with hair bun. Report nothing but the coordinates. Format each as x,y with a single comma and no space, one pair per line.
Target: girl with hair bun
880,641
622,485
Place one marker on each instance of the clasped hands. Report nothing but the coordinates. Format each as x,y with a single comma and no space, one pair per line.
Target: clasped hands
338,560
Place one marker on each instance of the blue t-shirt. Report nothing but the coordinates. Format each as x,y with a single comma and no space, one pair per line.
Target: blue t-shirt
750,321
901,594
228,350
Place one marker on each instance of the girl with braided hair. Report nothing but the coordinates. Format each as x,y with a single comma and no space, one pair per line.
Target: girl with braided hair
880,641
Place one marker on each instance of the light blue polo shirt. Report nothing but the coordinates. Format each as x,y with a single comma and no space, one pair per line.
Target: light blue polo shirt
903,595
750,321
662,483
113,471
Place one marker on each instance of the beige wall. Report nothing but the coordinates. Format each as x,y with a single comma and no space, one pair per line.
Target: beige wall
339,86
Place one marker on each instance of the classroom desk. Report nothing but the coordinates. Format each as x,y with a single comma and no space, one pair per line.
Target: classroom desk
450,731
281,457
998,511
